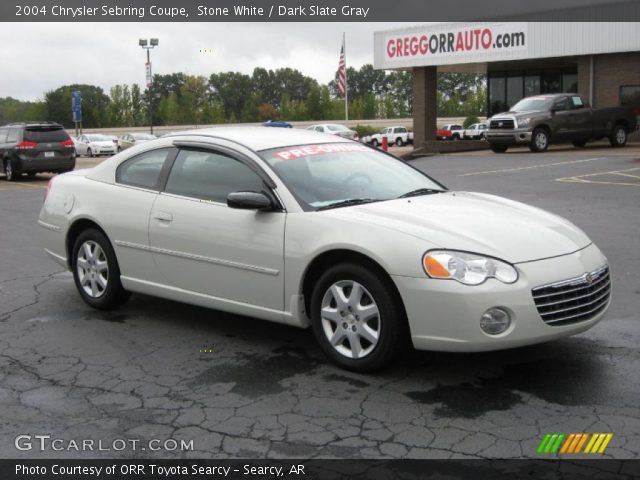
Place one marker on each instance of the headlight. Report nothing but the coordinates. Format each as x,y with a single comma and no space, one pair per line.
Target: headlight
523,122
467,268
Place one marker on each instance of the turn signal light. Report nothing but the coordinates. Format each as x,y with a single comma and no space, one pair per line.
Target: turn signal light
434,268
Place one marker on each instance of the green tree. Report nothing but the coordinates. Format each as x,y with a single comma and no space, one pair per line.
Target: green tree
95,105
231,89
139,114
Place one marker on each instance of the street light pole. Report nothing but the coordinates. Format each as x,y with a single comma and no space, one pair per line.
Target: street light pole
148,45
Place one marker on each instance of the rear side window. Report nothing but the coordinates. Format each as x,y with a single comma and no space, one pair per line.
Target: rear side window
13,135
39,135
143,170
210,176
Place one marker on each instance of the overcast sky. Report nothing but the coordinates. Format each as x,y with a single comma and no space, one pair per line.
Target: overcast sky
42,57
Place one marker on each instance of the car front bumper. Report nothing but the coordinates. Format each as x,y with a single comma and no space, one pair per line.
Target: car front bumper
444,315
508,137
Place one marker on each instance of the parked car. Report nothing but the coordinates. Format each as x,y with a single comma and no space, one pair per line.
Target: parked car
397,136
450,132
128,140
277,123
94,144
559,118
474,132
309,230
34,147
335,129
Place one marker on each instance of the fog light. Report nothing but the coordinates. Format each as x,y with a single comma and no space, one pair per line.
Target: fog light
495,321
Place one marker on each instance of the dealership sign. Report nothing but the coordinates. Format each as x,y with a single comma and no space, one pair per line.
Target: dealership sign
456,41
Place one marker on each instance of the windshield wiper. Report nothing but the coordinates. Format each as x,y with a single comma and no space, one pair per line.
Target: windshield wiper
348,203
421,191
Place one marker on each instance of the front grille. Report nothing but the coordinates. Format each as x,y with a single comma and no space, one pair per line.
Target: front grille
573,300
502,124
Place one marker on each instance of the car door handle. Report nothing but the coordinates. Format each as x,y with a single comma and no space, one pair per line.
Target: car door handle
163,216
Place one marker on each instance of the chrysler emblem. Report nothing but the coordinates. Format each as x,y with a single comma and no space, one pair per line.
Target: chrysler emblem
588,278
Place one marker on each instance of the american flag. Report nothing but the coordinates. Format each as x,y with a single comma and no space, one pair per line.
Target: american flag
342,73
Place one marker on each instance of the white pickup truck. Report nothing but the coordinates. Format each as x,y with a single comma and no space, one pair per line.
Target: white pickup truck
397,136
475,131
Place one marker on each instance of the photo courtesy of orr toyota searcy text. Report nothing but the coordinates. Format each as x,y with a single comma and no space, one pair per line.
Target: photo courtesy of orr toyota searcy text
448,41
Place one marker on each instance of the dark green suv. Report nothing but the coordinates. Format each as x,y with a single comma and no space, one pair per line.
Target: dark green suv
34,147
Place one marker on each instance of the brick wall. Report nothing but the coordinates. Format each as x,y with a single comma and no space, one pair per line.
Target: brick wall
610,72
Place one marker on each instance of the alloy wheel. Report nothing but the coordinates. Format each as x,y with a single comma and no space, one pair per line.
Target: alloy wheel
350,319
93,269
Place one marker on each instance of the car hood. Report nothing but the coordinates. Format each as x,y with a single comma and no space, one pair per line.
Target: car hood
474,222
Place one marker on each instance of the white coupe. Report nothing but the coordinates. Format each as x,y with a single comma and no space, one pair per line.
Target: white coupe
314,230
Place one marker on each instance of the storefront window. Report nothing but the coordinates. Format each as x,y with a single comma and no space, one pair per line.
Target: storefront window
570,83
551,82
531,85
630,96
497,97
514,90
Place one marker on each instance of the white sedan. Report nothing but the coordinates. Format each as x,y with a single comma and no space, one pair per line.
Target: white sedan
314,230
94,144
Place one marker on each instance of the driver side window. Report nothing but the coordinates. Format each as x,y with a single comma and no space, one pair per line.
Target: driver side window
211,176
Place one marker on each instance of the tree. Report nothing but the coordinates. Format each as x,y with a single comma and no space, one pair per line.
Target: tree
231,89
139,112
94,105
12,110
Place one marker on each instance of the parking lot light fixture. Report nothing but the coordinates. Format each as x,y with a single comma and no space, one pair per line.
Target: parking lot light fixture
148,45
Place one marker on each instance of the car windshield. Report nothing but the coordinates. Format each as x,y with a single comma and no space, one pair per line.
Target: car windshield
337,128
329,175
143,136
98,138
533,104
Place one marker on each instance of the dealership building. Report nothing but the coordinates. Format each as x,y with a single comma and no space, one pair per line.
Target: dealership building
600,60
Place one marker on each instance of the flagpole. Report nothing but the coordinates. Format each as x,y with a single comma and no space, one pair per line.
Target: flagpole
346,88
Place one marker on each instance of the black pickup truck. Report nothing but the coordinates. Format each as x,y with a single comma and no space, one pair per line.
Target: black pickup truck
558,118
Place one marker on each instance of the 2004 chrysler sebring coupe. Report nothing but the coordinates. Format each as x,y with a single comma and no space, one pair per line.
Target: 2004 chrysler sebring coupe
307,229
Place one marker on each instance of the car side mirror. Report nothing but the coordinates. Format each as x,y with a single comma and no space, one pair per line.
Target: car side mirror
249,201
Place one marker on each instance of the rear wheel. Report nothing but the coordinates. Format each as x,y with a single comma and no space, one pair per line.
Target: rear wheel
374,142
540,140
89,152
10,172
399,142
356,318
498,148
96,272
618,137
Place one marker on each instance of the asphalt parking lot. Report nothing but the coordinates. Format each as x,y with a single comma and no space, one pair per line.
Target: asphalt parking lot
239,387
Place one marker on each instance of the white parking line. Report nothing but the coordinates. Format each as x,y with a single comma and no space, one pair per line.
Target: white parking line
530,167
620,173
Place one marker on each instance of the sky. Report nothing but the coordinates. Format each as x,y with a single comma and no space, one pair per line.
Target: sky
45,56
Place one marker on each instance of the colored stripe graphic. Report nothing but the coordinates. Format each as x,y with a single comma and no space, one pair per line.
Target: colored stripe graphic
573,443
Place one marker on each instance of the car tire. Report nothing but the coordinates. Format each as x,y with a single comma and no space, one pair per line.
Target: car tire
89,153
375,143
455,138
579,143
498,148
619,136
540,140
399,142
346,337
10,172
93,258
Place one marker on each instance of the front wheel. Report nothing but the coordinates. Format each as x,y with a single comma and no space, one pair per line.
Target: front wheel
96,272
618,137
89,152
540,140
498,148
356,318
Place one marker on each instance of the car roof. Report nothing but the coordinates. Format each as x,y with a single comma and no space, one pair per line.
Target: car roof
261,138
